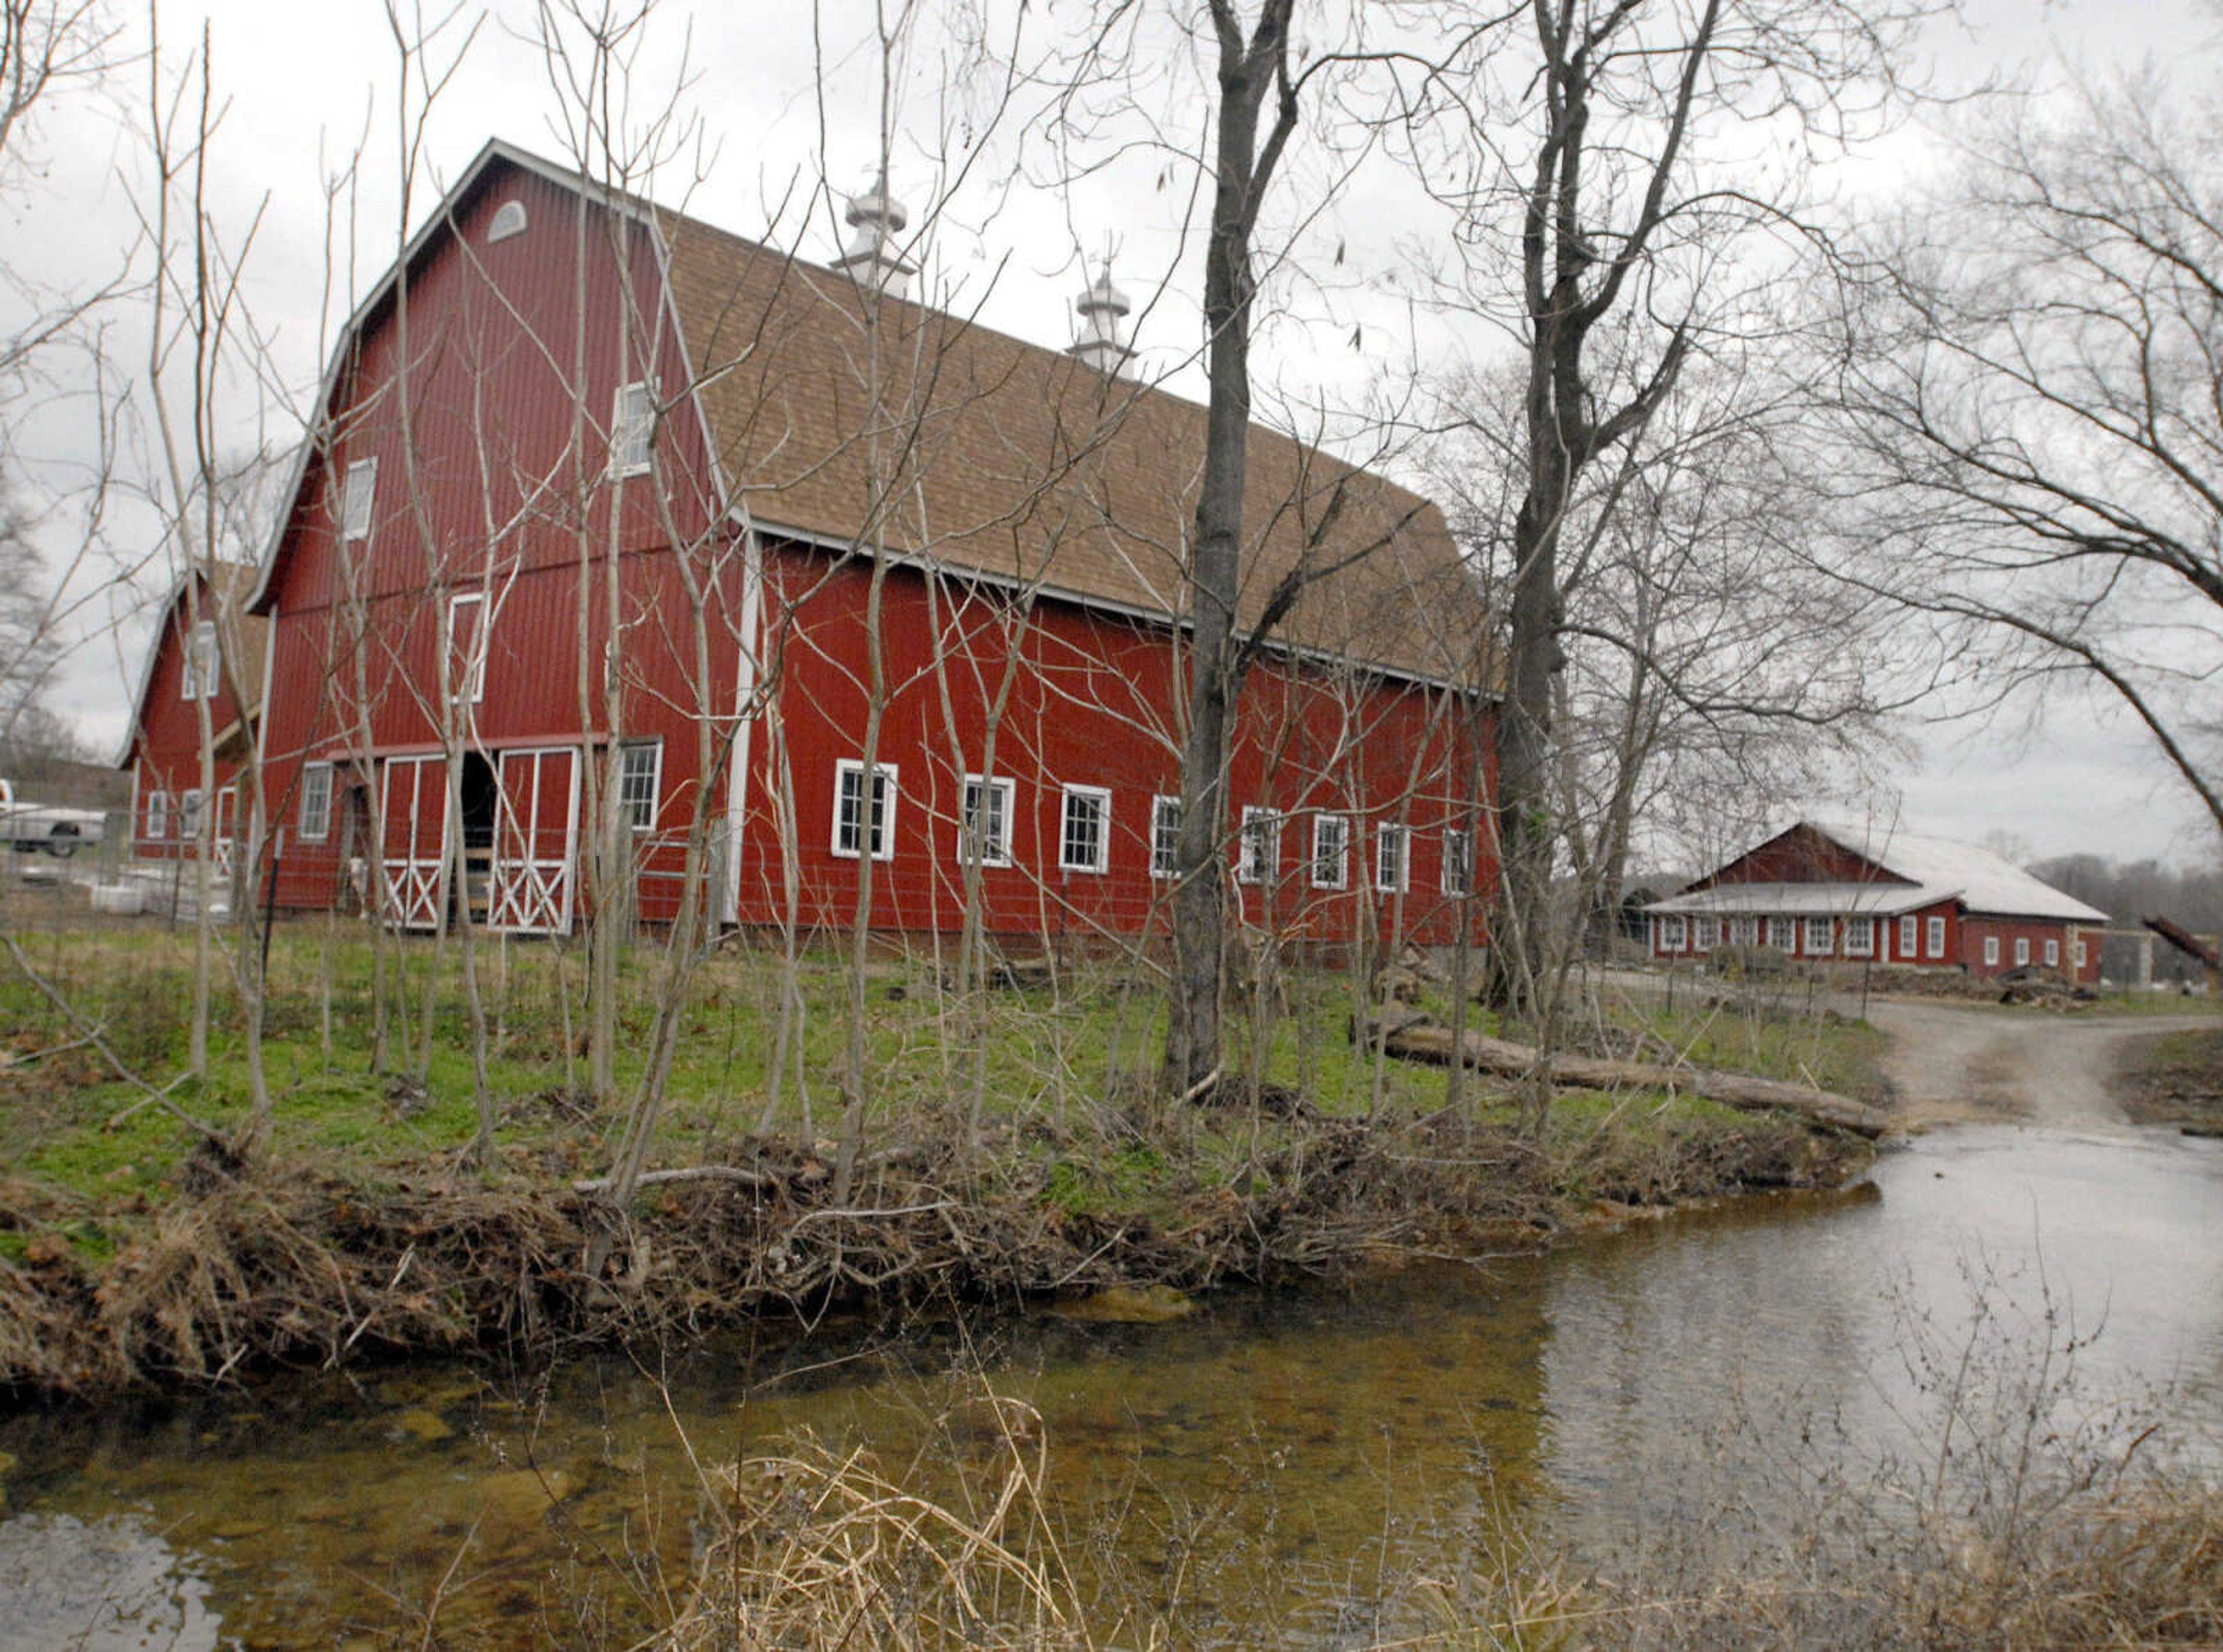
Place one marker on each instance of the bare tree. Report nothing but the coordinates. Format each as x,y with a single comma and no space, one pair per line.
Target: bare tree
2029,413
1631,191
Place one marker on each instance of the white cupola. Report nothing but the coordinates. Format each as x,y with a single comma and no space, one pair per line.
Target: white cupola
1100,344
871,258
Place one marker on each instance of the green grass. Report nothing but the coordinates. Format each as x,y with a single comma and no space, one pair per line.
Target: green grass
1845,1057
1088,1044
1067,1072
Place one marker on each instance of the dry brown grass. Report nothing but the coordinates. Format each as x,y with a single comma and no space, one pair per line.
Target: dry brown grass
814,1549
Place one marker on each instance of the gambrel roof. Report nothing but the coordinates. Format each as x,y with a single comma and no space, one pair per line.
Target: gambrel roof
1024,464
884,426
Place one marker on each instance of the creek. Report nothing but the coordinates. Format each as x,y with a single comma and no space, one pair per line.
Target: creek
1271,1459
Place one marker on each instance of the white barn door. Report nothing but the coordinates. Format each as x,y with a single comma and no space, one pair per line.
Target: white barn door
414,816
535,841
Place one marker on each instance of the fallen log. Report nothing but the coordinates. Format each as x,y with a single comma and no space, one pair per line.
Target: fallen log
1423,1040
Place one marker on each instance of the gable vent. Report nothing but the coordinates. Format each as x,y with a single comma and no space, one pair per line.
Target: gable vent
508,220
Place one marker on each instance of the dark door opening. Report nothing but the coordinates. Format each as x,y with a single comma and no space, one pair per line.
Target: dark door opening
478,795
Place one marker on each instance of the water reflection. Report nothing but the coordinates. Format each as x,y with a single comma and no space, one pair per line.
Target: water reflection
1671,1379
102,1586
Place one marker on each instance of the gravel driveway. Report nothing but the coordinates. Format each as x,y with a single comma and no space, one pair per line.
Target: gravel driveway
1951,1064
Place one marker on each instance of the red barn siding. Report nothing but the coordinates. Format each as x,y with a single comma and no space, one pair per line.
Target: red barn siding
1090,705
166,742
1800,855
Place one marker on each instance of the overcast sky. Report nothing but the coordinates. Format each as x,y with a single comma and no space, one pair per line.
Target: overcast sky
304,84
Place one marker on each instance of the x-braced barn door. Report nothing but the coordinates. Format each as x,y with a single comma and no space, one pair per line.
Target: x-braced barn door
536,841
414,816
224,839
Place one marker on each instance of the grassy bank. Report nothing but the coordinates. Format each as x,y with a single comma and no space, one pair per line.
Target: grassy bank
2176,1079
133,1252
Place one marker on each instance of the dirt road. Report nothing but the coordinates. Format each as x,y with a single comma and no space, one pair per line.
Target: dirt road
1952,1065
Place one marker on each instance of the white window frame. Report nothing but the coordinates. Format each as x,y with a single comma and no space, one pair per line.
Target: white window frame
1258,846
357,503
1335,859
198,678
2022,951
1783,933
632,429
1705,934
1165,836
628,804
471,677
1101,799
191,801
999,793
2052,952
314,822
158,816
1934,938
1744,932
1859,936
1826,929
1991,952
1458,861
1667,931
2076,951
1392,848
871,825
1910,931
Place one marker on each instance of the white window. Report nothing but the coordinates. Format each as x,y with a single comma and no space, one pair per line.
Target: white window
158,814
1745,931
1458,861
632,424
851,826
1258,853
355,496
1817,936
2077,952
467,647
1165,836
641,773
984,821
1331,851
1083,835
1906,928
1667,933
189,813
1783,934
1389,858
1991,949
2052,954
1708,935
1935,948
1859,937
197,681
315,801
2022,951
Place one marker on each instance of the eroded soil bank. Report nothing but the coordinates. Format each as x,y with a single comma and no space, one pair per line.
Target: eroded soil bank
301,1266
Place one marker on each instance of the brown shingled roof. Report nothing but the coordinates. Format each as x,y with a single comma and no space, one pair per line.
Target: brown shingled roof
1003,458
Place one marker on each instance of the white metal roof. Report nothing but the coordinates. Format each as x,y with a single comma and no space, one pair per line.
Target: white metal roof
1939,868
1804,900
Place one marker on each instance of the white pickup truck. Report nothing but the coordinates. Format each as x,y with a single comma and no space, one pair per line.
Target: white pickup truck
31,826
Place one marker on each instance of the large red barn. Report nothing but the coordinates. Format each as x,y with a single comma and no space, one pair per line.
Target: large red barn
611,516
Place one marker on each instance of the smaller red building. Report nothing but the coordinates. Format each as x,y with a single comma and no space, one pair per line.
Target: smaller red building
1828,894
207,660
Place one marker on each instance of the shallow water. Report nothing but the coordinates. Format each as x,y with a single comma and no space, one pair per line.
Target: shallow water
1273,1455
